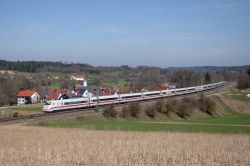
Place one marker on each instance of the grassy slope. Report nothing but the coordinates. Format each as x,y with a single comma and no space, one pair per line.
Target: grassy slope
241,96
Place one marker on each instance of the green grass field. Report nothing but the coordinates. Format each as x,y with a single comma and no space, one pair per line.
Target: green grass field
227,124
120,82
235,119
54,85
22,110
29,108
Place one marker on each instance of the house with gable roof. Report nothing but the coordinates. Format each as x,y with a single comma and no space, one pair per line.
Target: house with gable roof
27,97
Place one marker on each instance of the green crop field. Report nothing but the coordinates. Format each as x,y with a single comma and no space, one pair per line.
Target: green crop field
227,124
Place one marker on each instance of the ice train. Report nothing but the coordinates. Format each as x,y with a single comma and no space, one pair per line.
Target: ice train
87,102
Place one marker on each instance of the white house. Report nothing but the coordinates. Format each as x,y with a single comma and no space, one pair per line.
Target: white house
27,97
77,78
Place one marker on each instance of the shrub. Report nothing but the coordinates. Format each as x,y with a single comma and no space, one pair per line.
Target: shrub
151,111
207,105
171,106
15,115
161,107
190,101
110,112
135,110
126,113
185,109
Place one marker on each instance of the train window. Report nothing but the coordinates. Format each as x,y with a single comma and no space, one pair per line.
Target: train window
131,96
47,103
74,102
152,94
109,99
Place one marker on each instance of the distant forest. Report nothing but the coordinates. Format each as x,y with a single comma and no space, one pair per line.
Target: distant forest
38,66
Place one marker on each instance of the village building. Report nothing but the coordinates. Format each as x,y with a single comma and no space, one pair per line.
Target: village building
27,97
82,90
78,77
45,95
57,93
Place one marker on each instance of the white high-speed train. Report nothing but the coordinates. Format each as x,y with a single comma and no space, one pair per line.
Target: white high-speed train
73,103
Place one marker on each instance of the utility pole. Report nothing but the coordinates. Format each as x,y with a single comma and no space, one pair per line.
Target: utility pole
97,100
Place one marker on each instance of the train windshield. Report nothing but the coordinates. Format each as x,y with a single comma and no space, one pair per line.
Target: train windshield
48,103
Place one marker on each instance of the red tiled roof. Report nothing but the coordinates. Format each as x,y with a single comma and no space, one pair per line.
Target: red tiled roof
26,93
157,87
55,94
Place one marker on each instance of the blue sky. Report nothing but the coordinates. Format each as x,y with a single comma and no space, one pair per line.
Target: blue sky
134,32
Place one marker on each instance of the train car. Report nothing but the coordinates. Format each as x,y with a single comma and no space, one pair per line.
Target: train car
152,95
64,104
131,97
104,100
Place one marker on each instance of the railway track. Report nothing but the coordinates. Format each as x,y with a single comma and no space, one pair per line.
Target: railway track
22,118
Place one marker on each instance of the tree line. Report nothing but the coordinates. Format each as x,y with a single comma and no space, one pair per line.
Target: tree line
38,66
10,85
243,79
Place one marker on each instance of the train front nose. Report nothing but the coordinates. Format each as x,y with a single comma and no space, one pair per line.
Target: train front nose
46,108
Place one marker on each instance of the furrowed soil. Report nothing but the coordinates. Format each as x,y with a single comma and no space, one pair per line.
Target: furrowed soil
23,145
